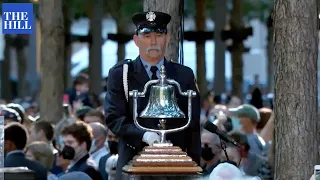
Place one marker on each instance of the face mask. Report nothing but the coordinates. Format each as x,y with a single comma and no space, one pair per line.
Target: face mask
84,90
236,124
113,147
93,146
67,153
206,153
212,118
60,140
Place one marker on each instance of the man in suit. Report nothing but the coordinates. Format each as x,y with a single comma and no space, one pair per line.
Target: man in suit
151,38
15,140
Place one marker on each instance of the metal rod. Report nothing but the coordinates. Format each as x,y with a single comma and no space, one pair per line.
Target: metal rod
163,136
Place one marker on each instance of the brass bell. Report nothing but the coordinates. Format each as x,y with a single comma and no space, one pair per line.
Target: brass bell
162,101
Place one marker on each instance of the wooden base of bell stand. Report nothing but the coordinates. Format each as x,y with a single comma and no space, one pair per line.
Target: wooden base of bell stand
17,173
162,160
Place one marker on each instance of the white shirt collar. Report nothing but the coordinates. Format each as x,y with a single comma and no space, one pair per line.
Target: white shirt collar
147,67
96,156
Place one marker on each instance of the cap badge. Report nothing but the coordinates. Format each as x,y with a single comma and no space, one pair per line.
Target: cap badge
151,16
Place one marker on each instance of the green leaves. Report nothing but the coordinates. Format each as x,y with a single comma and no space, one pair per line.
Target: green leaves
77,8
257,9
123,10
252,9
35,5
189,8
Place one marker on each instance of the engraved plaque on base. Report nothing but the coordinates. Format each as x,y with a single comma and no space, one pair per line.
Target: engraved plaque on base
159,160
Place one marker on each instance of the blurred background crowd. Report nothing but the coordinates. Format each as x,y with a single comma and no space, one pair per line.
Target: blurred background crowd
53,83
81,141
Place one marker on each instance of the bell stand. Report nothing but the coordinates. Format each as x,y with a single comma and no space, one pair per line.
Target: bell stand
165,157
162,81
162,126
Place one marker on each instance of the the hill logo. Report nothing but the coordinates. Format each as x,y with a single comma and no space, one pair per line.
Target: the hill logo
17,18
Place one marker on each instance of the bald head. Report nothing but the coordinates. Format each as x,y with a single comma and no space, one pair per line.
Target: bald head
100,133
99,130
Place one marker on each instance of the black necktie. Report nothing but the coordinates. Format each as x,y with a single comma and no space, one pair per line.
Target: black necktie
154,70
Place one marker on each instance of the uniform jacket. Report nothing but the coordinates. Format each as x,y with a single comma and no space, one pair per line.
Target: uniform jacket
119,116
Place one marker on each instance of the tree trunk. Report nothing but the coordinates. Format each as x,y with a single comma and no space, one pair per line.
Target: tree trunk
32,75
121,52
67,81
5,71
296,123
236,54
114,8
270,64
174,27
52,60
95,61
220,47
200,19
22,70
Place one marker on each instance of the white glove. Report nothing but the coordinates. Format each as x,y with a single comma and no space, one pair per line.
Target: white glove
111,163
150,138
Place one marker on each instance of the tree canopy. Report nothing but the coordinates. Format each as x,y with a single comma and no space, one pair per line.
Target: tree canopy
252,9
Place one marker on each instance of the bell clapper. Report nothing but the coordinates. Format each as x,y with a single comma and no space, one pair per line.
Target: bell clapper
162,124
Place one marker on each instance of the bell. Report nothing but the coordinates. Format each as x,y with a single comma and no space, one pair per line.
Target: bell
162,103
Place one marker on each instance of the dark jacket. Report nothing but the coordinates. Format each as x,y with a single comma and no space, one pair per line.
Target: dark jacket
84,97
102,166
88,167
18,159
119,116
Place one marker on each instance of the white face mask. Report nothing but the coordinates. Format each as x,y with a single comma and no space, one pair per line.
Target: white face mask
93,146
237,127
84,90
60,142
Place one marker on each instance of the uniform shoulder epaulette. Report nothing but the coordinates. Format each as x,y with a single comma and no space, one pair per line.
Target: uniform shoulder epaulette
121,63
174,61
